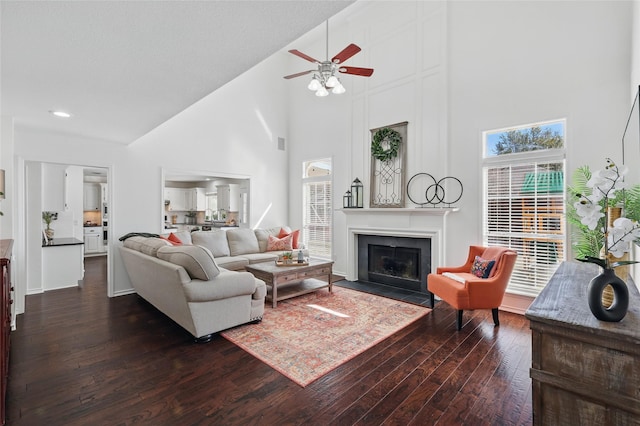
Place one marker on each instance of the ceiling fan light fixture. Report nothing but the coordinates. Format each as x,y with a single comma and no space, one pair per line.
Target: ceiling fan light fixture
339,89
322,92
324,77
332,81
314,84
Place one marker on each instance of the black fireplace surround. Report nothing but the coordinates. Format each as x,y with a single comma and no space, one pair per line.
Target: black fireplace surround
402,262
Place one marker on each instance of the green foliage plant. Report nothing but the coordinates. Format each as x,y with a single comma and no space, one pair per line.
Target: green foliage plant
48,217
586,242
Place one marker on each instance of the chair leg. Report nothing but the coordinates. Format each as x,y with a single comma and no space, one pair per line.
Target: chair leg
432,299
459,320
494,311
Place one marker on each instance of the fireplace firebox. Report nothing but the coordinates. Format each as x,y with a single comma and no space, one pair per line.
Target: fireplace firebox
402,262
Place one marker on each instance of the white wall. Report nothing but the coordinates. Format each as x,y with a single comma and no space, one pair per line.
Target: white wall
454,70
506,70
232,131
6,163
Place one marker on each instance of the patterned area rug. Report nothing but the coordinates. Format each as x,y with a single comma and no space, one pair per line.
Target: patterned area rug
306,337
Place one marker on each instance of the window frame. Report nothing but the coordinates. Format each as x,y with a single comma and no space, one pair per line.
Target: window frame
328,180
515,160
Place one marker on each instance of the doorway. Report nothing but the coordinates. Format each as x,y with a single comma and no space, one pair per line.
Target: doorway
60,189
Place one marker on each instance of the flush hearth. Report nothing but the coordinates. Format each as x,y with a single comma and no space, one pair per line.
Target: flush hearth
402,262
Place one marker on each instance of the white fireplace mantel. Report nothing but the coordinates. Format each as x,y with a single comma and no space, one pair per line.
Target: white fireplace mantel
430,211
425,222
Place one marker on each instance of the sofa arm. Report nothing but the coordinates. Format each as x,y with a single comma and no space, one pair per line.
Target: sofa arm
227,284
261,290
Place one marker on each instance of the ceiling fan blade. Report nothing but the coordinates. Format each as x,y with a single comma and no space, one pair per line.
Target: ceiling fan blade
303,56
365,72
346,53
298,74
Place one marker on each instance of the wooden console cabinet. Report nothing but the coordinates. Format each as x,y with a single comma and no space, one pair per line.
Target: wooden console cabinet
584,371
5,320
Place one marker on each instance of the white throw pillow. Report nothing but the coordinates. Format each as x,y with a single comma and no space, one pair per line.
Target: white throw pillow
196,260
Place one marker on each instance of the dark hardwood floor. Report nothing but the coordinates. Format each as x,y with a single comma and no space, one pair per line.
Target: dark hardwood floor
80,358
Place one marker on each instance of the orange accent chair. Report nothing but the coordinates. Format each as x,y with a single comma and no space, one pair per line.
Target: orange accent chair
465,291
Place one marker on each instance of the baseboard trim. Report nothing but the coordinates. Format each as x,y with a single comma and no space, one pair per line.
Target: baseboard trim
516,303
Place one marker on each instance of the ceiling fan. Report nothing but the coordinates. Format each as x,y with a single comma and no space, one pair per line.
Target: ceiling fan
324,77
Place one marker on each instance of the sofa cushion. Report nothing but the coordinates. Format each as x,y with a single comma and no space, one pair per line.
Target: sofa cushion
262,234
295,234
270,256
196,260
146,245
233,263
215,241
284,243
242,241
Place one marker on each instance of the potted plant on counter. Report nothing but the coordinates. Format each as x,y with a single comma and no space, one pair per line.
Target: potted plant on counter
48,217
190,217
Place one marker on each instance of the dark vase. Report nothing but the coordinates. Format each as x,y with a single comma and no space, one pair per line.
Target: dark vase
618,309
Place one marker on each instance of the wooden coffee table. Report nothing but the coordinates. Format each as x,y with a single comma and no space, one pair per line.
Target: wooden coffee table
291,281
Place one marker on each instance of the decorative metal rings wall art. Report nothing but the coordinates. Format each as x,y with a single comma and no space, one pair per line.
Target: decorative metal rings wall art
424,190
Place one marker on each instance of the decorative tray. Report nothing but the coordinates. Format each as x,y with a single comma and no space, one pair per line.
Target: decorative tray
294,263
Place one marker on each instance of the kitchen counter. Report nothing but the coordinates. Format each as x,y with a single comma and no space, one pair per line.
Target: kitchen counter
57,242
62,266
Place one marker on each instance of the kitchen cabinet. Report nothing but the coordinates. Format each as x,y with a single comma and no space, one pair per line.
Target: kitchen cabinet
93,239
177,198
185,199
198,199
54,187
228,197
62,263
92,200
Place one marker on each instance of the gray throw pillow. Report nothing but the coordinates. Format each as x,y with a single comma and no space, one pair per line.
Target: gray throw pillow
215,241
242,241
196,260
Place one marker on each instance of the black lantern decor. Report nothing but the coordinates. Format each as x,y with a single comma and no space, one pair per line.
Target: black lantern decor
357,194
346,200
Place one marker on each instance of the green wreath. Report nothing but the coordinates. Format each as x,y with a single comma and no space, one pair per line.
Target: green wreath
390,136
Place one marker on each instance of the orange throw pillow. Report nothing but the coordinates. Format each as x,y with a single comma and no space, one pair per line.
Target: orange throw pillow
175,241
295,234
278,244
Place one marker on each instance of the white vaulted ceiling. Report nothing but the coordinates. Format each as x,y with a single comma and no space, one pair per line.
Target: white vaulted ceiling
124,67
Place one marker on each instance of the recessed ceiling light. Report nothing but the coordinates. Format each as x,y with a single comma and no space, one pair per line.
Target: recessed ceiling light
61,114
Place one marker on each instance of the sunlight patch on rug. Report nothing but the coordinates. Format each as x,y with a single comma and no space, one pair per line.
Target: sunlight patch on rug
306,337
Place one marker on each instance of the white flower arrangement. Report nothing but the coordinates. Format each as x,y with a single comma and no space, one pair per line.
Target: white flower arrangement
604,185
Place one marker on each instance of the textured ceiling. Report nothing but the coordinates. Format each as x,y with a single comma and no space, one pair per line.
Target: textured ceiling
124,67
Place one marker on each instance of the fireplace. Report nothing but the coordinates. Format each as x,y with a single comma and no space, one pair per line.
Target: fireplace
402,262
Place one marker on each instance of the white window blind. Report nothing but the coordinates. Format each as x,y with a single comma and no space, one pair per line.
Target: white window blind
524,210
317,208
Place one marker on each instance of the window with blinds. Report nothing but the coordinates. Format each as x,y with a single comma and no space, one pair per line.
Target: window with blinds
317,208
524,209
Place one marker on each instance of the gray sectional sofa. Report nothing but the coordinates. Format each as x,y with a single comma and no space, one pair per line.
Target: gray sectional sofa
201,284
234,249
